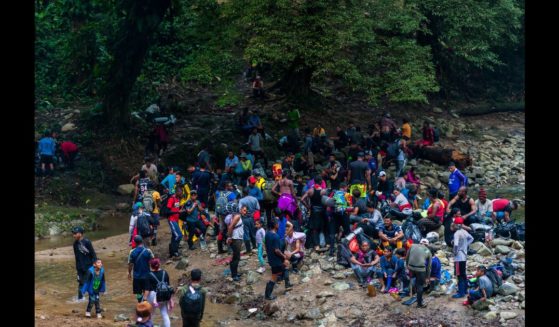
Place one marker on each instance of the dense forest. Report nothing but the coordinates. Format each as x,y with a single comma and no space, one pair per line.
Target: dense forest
114,54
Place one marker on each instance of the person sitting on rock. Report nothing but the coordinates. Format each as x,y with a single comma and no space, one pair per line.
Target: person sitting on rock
402,275
399,203
363,264
428,135
295,247
465,204
484,290
258,87
435,213
390,269
391,234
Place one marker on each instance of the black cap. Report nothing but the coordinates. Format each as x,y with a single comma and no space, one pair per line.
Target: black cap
138,239
360,154
77,229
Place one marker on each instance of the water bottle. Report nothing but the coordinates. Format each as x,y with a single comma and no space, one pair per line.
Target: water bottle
351,235
451,287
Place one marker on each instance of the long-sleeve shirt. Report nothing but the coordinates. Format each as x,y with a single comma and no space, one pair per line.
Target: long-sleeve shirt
436,268
255,192
133,220
231,163
455,180
85,254
418,259
461,241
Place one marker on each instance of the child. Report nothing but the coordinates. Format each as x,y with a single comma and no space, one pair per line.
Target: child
400,272
485,289
435,277
260,233
143,315
94,284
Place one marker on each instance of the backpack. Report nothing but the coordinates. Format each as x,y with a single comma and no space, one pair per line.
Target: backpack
507,230
343,255
221,202
393,149
412,231
143,225
478,235
521,232
341,202
436,134
495,278
163,290
148,201
191,302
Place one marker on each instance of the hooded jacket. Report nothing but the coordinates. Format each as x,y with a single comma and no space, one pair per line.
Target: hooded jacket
88,285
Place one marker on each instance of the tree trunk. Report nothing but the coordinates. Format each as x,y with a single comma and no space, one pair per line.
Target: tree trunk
133,38
492,108
442,156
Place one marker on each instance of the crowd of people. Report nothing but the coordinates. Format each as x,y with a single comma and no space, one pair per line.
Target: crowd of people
350,207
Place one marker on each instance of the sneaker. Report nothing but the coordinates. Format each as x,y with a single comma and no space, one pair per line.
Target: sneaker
271,297
88,314
99,316
261,270
237,278
422,305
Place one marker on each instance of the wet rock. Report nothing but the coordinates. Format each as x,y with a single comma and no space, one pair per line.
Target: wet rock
305,280
126,189
324,294
502,249
339,275
508,289
507,315
437,110
491,315
182,264
252,277
517,245
271,308
340,286
68,127
121,317
326,265
480,305
313,313
235,297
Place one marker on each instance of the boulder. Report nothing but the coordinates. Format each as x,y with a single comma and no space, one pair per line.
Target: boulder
182,264
313,313
235,297
126,189
270,308
325,264
481,305
121,317
517,245
68,127
507,315
508,289
501,241
481,249
502,249
491,315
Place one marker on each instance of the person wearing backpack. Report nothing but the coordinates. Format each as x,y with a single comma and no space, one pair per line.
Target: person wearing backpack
158,291
193,208
340,216
144,223
141,187
192,300
138,260
485,289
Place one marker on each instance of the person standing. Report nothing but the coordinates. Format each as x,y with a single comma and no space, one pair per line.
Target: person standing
277,260
460,249
94,284
69,150
201,182
159,300
293,117
138,260
193,209
85,257
47,149
192,300
173,204
455,180
255,141
359,175
235,235
418,262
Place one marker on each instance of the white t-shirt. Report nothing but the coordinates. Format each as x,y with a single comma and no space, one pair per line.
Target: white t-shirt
238,230
401,200
482,209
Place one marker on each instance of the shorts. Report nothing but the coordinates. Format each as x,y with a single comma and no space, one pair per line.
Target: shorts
139,285
46,159
278,269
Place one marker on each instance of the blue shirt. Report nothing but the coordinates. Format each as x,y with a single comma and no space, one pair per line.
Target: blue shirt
391,233
193,216
141,264
255,192
230,162
455,180
169,183
388,266
47,146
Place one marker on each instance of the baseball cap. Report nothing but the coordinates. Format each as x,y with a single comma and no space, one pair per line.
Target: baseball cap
77,229
459,220
252,180
382,173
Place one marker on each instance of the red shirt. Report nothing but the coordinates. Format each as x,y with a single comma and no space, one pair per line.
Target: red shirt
500,204
173,205
440,211
68,147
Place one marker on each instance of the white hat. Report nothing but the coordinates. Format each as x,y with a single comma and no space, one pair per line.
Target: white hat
424,241
382,173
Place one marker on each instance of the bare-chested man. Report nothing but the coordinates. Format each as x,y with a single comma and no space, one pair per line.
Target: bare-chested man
287,200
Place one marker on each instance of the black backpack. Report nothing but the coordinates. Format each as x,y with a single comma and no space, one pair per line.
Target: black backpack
163,290
507,230
191,302
521,232
478,235
143,224
164,211
495,279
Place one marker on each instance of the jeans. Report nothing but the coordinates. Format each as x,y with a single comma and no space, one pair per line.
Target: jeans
419,283
400,164
94,299
81,279
249,236
192,230
460,272
162,308
190,322
176,236
234,265
365,272
261,262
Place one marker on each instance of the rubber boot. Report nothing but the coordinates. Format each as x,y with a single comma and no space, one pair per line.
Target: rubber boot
288,285
269,289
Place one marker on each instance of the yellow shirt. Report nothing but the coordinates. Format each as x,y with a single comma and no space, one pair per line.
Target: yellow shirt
406,130
318,132
261,183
